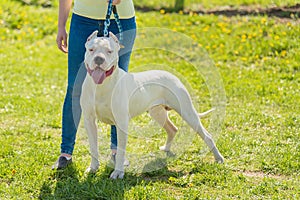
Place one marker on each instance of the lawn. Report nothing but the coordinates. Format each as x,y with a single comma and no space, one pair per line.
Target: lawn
252,62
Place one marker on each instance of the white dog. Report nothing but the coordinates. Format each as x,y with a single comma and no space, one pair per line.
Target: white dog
114,97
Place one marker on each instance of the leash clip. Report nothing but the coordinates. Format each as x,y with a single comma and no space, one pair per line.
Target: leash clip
111,8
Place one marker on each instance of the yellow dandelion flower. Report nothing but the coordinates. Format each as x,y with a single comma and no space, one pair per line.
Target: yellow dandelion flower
225,30
276,37
283,53
263,20
162,11
180,12
206,28
228,31
190,184
220,24
194,36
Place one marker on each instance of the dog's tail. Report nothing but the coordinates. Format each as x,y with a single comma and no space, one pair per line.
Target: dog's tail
204,114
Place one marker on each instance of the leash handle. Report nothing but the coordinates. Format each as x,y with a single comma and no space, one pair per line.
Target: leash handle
112,8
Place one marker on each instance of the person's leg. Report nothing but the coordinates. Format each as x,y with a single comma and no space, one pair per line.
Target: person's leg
80,29
129,34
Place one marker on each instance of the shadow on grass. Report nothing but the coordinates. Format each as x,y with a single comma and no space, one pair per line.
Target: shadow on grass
72,183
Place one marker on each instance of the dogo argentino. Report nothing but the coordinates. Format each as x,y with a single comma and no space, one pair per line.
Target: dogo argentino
115,96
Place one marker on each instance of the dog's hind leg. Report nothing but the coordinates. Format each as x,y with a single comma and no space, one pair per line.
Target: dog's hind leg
189,114
191,117
91,128
160,115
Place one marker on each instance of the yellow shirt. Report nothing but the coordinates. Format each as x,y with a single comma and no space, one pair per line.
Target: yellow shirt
96,9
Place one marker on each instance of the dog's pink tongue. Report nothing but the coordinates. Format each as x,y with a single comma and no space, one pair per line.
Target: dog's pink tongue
98,75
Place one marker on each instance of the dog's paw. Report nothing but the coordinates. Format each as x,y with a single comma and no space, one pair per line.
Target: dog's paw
220,160
117,174
164,148
90,170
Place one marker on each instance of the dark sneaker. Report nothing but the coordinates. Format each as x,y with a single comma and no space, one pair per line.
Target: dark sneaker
62,163
113,160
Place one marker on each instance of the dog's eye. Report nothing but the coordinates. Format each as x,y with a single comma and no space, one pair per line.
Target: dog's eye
91,50
109,51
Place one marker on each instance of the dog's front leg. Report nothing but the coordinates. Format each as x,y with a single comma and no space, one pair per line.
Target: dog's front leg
91,128
122,132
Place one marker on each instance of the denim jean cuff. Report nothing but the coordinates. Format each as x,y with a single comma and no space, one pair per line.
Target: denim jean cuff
66,152
113,147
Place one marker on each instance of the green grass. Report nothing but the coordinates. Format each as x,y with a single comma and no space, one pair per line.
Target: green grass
258,60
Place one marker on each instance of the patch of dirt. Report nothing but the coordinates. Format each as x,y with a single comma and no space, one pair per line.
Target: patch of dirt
259,174
281,12
288,12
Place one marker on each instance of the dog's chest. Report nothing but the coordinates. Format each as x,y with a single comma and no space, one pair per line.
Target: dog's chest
103,110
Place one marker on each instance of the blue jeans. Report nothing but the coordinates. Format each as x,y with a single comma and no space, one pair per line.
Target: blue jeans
80,29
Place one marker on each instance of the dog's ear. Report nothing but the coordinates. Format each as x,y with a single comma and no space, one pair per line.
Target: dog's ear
114,37
92,36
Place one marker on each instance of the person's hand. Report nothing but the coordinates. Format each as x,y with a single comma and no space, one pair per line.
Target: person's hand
115,2
62,40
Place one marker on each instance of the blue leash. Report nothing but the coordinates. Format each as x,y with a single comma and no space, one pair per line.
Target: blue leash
112,8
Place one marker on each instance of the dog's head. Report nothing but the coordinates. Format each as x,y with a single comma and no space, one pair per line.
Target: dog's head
101,56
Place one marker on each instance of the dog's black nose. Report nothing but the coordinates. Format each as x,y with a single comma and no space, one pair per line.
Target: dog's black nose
98,60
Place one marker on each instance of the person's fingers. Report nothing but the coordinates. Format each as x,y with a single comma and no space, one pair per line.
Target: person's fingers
62,43
116,2
65,44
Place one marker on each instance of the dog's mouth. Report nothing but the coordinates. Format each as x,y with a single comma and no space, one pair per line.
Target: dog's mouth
99,74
